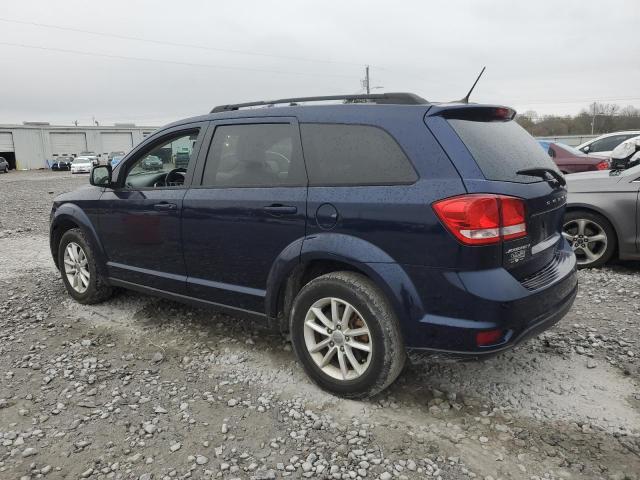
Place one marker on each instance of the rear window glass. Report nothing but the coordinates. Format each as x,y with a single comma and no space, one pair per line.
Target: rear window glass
353,155
502,148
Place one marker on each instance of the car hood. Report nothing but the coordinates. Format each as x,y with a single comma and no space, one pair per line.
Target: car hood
86,192
590,181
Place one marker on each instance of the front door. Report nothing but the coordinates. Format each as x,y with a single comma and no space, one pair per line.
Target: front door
140,221
247,207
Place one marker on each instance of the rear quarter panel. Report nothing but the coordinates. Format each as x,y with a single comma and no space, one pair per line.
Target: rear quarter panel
397,219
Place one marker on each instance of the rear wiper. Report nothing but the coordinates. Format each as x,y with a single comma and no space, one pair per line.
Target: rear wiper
543,173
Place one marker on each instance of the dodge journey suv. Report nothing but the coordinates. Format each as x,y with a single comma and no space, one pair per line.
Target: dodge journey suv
366,229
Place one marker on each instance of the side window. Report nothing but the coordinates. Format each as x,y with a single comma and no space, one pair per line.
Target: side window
607,144
255,155
353,155
551,152
174,154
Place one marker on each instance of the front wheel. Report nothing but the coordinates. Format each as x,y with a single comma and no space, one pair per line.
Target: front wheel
346,335
77,265
591,237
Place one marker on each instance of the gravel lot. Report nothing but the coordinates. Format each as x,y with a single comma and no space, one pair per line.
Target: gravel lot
142,388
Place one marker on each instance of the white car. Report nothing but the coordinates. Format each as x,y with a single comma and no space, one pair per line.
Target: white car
627,154
82,165
604,144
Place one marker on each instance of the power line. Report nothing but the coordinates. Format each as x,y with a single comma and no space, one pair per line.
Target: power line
174,44
172,62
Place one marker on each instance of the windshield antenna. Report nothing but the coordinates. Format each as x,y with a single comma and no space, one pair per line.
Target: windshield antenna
466,99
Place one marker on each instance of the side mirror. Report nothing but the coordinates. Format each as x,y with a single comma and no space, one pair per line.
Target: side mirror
100,176
586,149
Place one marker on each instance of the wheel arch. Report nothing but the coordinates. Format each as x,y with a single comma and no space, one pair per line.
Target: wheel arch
577,207
67,217
327,253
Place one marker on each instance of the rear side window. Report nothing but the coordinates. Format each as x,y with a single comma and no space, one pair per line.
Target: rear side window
501,149
338,154
257,155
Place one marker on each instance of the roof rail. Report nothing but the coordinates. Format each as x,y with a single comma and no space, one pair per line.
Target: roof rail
400,98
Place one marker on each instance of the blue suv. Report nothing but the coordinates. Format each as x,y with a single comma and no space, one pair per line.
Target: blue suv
367,229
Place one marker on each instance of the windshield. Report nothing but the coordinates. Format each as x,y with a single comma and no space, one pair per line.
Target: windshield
502,148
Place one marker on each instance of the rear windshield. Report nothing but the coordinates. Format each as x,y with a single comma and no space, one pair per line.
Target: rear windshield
501,149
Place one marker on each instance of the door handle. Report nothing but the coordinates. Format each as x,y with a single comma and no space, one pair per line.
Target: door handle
165,206
278,209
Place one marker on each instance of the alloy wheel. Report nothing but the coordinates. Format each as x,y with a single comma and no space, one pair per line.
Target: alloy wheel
587,239
338,339
76,267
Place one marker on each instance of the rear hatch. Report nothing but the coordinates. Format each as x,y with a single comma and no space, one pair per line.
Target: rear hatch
491,152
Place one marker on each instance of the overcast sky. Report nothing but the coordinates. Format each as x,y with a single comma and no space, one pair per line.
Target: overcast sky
185,57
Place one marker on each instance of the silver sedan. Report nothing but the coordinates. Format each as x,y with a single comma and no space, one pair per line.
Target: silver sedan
602,215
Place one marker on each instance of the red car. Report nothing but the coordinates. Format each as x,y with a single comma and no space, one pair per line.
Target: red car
572,160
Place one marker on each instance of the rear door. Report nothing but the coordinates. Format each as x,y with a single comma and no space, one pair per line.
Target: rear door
247,205
489,149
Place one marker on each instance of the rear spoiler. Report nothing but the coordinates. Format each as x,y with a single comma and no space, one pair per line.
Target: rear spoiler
464,111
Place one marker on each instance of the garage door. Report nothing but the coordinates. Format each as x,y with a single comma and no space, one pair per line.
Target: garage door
116,142
68,143
6,142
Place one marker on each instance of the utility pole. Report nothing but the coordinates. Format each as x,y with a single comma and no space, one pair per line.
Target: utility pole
593,119
366,79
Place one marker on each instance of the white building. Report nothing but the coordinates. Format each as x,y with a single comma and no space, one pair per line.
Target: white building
29,146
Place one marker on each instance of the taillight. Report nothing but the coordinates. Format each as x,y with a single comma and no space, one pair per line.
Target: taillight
489,337
482,219
603,165
513,218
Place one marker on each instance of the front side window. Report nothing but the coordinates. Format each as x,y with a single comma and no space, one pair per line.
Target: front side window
256,155
339,154
165,164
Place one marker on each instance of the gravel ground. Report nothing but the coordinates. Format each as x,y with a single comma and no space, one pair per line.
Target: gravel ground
142,388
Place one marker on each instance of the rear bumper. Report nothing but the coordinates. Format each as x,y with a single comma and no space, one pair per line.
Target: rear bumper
536,327
458,305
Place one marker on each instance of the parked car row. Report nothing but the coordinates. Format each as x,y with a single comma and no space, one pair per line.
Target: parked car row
66,162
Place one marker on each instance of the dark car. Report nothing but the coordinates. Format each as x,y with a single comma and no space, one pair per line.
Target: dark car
572,160
365,230
152,162
182,159
62,163
4,165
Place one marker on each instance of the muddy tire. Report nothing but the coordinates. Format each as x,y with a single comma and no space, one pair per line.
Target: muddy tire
346,335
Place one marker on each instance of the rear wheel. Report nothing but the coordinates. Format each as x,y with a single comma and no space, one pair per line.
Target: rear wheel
591,237
346,335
